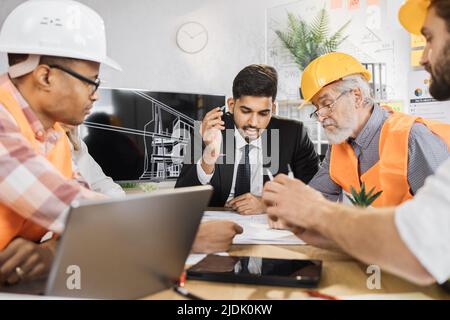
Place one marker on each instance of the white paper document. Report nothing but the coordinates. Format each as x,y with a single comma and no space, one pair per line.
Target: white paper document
256,229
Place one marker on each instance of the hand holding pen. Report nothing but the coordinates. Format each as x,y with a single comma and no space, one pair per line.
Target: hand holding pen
278,224
290,173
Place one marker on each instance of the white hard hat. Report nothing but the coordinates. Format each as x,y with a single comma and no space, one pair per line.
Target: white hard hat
61,28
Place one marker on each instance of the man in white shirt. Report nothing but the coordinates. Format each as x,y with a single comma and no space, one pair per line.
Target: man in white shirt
411,240
89,169
212,236
256,171
237,149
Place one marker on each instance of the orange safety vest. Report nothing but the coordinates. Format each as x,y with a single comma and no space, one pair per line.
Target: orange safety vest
390,173
12,224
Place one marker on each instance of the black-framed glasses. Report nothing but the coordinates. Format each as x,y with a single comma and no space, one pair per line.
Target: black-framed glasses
94,83
325,110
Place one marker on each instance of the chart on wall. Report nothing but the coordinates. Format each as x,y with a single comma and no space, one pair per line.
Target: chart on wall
422,103
373,36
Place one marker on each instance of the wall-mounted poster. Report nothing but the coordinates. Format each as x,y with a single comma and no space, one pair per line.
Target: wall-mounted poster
422,103
374,36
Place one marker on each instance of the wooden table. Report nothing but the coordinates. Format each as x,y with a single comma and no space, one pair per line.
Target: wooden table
341,276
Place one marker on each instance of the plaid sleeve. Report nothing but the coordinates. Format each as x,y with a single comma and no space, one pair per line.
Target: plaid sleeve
78,177
29,184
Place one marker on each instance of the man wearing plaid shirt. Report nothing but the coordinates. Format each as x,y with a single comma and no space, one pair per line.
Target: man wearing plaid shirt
53,77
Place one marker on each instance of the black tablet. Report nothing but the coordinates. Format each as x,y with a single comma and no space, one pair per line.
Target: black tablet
257,270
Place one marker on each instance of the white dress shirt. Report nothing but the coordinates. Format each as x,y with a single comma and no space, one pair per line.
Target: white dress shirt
93,173
424,224
83,162
256,165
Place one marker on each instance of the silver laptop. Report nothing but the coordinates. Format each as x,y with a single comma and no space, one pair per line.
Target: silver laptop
127,248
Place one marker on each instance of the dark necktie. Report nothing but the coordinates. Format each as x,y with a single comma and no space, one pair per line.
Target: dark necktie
243,174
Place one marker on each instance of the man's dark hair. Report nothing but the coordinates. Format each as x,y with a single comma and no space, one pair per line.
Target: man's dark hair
257,80
442,8
15,58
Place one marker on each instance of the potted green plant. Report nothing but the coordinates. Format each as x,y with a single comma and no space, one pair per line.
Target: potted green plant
363,199
307,41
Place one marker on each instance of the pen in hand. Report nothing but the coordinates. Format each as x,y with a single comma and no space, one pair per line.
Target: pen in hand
290,173
269,174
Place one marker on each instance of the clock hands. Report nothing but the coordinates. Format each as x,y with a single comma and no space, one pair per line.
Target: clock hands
189,35
194,36
201,32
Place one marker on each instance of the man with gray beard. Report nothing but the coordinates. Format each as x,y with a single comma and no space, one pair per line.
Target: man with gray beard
386,150
411,240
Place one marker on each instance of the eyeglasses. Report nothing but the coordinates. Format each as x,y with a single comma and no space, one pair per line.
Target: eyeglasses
94,83
326,110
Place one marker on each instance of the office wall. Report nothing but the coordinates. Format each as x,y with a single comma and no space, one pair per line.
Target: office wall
142,38
374,35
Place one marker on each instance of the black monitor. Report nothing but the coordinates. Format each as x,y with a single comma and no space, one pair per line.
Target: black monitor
130,132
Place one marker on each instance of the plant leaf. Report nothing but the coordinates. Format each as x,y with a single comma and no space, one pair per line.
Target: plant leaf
369,194
305,42
351,199
319,27
374,197
354,193
362,194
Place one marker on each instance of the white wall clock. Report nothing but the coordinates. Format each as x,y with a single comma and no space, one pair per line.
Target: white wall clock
192,37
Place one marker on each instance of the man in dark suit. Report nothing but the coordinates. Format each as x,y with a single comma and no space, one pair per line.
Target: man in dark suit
235,151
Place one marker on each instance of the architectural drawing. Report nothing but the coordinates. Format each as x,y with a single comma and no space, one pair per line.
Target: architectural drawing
164,144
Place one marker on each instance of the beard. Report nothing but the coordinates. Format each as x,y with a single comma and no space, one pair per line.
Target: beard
341,132
440,75
339,135
249,132
253,134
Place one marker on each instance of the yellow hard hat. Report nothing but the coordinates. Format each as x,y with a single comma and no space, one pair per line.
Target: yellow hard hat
412,15
329,68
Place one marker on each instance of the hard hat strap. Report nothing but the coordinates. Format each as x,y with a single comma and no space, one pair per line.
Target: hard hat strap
24,67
